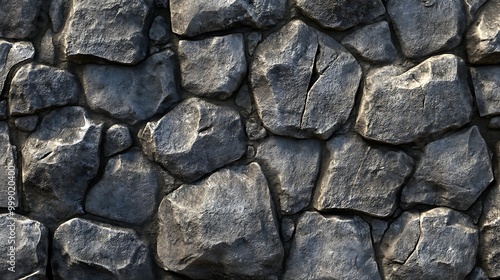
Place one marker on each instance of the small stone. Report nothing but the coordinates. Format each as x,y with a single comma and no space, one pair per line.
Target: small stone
494,123
9,171
378,229
117,139
18,18
486,81
489,226
92,250
254,129
477,274
287,228
243,99
47,51
27,123
253,39
159,31
56,13
36,87
12,54
213,67
194,139
452,172
483,37
324,248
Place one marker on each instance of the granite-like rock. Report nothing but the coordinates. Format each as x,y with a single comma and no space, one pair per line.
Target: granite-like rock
132,94
18,19
190,18
12,54
282,70
28,253
291,167
194,239
84,249
428,26
483,37
341,15
486,80
159,31
26,123
213,67
489,237
117,139
107,29
436,244
194,139
333,247
9,171
400,107
452,172
362,178
59,159
36,87
254,129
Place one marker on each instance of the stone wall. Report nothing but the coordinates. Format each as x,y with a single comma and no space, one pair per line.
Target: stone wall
263,139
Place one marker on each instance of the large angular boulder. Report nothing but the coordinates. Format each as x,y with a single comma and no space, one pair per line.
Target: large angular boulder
18,19
9,170
483,37
486,81
12,54
489,234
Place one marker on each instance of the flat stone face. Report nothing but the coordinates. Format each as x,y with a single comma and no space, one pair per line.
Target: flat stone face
117,139
190,18
12,54
427,27
18,19
436,244
452,172
194,139
84,249
359,177
343,14
486,81
489,245
64,148
36,87
194,239
132,94
292,167
108,29
282,71
213,67
483,37
9,172
333,247
30,250
400,107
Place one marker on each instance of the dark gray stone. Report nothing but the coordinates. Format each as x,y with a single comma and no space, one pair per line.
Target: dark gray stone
477,274
18,18
12,54
254,129
3,110
117,139
486,80
9,170
494,123
243,99
56,12
159,32
489,226
471,9
253,39
162,3
287,228
378,230
27,123
483,37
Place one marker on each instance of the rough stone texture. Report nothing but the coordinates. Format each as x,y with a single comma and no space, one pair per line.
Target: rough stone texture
159,31
213,67
27,123
9,170
494,123
477,274
107,29
195,138
253,39
281,76
30,247
489,243
18,19
287,228
452,172
36,87
483,37
341,15
47,51
428,26
132,94
471,8
117,139
324,248
64,148
193,238
436,244
401,107
190,18
12,54
291,167
56,14
359,177
486,81
84,249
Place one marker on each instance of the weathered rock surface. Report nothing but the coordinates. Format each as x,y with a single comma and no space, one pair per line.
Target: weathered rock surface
282,71
8,161
117,139
132,94
36,87
83,249
213,67
30,247
428,26
436,244
401,107
452,172
18,19
477,274
341,15
359,177
471,8
291,167
332,247
194,239
494,123
486,81
12,54
26,123
47,52
287,228
57,10
483,37
195,138
489,243
64,148
190,18
107,29
159,31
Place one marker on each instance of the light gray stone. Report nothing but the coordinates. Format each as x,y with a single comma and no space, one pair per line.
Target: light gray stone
436,244
452,172
400,107
84,249
359,177
26,123
47,50
9,170
483,37
132,94
213,67
194,239
194,139
190,18
489,242
159,31
282,72
486,80
292,167
12,54
333,247
64,148
18,18
254,129
107,29
36,87
117,139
